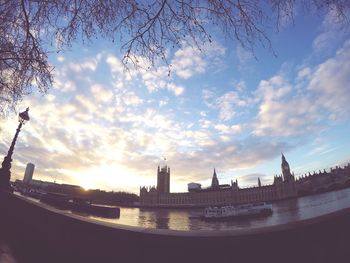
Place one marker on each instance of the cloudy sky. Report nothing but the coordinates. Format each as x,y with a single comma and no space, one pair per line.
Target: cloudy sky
101,126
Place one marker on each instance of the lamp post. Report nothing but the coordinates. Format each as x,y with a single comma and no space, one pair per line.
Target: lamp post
5,172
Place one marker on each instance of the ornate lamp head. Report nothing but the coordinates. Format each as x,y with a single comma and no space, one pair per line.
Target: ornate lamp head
23,117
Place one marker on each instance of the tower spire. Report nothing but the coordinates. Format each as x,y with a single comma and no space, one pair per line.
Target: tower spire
283,157
287,175
163,178
214,180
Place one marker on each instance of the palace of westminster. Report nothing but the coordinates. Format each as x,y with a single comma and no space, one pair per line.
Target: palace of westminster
284,186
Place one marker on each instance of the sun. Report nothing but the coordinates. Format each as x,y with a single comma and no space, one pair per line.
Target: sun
107,177
86,179
87,185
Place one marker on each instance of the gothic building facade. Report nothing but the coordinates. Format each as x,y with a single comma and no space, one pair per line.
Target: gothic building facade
284,186
163,180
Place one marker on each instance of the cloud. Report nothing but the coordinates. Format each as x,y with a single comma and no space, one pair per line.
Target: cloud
273,89
227,129
319,97
191,60
304,73
69,86
295,117
185,63
205,124
112,131
249,180
227,104
115,64
244,56
100,93
156,79
60,58
130,98
331,32
86,103
226,156
282,112
83,66
176,89
329,83
163,102
70,149
208,98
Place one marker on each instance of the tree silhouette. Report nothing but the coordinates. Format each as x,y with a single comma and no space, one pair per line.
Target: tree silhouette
30,29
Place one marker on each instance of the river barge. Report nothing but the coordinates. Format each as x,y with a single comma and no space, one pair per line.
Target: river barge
37,232
237,212
79,205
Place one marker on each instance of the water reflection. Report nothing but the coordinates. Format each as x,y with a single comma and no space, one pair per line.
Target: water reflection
146,219
162,219
179,220
285,211
188,219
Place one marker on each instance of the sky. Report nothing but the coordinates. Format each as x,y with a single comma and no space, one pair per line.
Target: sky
101,126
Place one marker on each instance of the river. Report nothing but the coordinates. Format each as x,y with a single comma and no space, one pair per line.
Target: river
284,211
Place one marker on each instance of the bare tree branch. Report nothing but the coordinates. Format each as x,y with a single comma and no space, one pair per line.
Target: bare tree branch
30,29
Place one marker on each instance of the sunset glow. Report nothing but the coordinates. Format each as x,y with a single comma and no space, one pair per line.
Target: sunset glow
102,126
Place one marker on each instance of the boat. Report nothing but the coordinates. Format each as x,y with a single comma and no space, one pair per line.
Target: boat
39,233
236,212
65,202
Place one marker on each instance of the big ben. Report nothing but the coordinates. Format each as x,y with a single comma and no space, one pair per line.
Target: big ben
287,175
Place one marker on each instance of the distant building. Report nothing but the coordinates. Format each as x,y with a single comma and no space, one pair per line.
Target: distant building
28,174
163,180
284,186
51,187
194,187
214,181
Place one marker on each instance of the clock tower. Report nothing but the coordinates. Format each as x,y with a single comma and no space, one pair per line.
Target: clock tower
287,175
163,180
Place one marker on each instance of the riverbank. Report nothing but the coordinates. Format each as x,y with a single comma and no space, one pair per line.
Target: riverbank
37,233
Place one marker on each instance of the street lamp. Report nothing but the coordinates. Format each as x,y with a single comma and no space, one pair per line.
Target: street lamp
5,173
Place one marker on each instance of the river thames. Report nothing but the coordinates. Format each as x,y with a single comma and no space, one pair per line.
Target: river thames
285,211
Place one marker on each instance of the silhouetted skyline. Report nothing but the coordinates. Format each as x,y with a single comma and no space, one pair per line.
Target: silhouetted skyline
102,127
